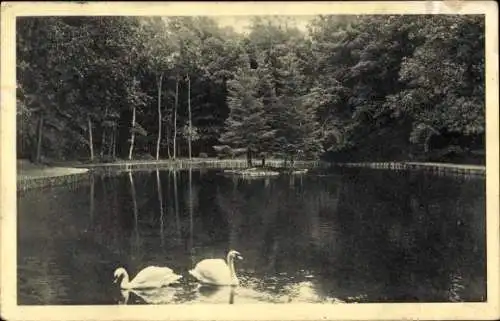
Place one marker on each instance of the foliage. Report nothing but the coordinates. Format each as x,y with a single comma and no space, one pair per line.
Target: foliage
361,87
444,79
246,125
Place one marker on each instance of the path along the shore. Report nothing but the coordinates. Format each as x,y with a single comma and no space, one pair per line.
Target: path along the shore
32,176
35,173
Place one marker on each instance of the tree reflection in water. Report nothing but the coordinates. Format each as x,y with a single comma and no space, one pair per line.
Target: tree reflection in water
348,236
160,200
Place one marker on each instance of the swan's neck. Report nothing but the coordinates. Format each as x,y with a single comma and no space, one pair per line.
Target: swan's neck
230,262
125,280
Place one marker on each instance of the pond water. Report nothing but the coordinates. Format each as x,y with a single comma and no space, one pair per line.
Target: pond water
331,237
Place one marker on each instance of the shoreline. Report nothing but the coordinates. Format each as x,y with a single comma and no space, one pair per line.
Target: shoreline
34,176
49,176
433,167
198,163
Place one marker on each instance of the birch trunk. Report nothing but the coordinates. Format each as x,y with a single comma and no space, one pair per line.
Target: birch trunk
113,150
168,145
132,135
103,144
175,115
249,157
110,146
91,144
39,140
103,140
159,118
189,115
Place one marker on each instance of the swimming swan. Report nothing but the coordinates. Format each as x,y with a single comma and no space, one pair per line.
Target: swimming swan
150,277
217,271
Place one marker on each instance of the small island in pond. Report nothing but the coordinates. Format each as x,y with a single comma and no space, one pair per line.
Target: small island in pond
264,171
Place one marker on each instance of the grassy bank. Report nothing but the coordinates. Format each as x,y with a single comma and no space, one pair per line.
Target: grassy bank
36,176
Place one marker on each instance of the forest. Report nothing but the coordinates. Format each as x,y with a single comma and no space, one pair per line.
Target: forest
347,88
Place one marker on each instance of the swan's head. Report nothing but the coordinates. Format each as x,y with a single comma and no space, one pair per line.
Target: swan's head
235,254
119,272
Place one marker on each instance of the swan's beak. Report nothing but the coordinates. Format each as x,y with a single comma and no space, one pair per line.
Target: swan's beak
239,257
115,280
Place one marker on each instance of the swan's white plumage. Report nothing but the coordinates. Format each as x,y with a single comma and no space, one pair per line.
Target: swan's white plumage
150,277
217,271
213,271
155,275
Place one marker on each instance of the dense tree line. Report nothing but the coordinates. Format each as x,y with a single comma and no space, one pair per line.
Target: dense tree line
350,87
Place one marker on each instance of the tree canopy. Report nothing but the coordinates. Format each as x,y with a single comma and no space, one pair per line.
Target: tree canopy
371,87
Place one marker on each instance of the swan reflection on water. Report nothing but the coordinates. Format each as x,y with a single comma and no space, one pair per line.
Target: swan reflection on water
176,295
165,295
300,292
216,294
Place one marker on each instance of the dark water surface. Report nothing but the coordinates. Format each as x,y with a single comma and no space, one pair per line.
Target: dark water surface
351,236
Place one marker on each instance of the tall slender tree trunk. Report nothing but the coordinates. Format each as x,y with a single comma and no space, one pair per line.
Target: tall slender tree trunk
158,141
91,144
113,149
249,157
175,115
38,155
132,137
189,116
103,144
168,144
110,145
426,142
103,140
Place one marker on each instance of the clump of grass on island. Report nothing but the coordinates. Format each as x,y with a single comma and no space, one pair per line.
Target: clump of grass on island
264,171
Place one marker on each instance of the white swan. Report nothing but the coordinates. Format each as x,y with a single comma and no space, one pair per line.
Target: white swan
217,271
150,277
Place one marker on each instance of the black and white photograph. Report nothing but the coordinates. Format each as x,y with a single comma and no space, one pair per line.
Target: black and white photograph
332,160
